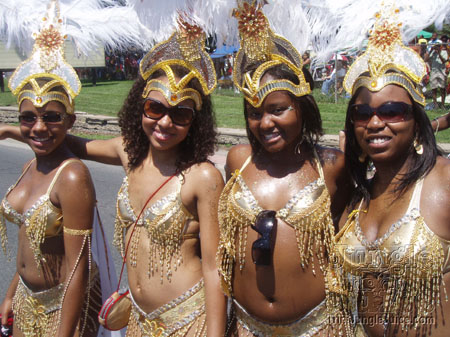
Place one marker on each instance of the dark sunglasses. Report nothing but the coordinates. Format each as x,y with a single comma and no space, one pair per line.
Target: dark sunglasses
390,112
48,118
180,115
262,247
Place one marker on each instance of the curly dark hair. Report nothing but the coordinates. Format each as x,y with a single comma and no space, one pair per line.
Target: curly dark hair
199,143
419,165
312,122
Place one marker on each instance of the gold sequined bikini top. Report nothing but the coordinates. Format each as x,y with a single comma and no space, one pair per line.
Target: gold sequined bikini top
409,257
42,220
166,223
308,212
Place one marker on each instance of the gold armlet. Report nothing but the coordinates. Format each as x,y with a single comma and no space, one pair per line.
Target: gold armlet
80,232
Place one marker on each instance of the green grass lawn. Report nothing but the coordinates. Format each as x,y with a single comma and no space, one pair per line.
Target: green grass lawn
106,98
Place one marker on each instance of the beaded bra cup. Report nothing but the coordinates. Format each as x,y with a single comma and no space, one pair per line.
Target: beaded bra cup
165,222
308,212
409,257
42,220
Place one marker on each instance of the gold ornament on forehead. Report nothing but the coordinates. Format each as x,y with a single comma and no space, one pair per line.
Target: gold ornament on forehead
263,49
387,59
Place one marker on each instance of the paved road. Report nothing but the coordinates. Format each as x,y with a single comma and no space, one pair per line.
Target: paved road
107,180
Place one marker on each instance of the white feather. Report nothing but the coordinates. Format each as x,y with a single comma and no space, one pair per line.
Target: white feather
344,24
88,24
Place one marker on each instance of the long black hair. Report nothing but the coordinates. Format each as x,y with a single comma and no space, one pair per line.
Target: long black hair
418,165
312,122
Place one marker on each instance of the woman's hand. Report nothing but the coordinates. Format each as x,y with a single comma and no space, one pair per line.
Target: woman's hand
6,306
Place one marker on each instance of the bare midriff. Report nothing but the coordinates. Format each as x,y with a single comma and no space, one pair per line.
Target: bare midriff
148,291
282,292
53,271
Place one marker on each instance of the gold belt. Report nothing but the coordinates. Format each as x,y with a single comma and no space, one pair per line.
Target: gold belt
173,316
306,326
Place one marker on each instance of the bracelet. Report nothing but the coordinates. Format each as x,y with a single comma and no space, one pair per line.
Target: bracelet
437,127
77,232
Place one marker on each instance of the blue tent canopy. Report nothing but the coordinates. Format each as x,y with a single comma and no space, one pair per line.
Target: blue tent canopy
224,51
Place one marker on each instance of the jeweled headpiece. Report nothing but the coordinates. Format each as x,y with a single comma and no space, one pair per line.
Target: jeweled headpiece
263,48
47,61
387,60
185,48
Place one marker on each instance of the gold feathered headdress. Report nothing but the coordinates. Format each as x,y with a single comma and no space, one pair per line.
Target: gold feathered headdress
261,47
47,61
387,60
185,48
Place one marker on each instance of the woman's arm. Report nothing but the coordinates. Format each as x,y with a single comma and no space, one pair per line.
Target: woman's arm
75,194
10,131
6,306
441,123
110,151
337,180
209,185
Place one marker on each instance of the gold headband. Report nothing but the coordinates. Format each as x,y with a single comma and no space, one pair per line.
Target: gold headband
387,60
47,61
185,48
259,45
41,96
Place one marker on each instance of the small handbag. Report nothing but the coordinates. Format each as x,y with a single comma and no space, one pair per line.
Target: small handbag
115,312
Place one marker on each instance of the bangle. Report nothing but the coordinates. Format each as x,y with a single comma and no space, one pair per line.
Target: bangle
437,127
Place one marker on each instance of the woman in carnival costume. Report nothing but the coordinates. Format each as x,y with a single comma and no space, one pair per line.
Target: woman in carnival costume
276,211
62,262
392,254
168,130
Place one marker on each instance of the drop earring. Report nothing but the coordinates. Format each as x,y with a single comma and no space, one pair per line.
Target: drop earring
418,147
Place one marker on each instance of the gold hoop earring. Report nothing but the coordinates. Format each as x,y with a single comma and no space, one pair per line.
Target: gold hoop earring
298,149
418,147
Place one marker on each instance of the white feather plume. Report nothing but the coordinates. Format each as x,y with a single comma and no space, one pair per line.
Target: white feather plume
344,24
88,24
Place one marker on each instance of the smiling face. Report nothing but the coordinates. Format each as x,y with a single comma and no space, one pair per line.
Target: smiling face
44,128
384,141
277,123
163,134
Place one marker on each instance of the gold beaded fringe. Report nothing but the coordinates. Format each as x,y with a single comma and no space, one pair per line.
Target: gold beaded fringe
412,288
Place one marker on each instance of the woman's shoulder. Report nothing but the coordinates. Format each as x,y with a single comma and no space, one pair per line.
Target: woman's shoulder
202,179
237,156
435,198
202,174
332,161
330,156
73,173
439,176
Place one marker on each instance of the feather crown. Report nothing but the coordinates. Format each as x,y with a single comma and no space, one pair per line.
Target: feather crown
184,48
47,61
387,59
263,49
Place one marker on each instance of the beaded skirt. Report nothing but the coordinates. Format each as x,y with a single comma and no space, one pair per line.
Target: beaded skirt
38,314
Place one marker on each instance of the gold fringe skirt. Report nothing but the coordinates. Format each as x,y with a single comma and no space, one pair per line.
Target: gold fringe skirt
38,314
174,319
